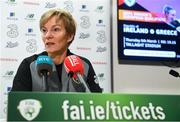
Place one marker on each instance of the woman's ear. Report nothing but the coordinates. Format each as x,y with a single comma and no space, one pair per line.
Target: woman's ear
70,38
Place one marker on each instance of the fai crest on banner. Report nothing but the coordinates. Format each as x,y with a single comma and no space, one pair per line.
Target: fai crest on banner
130,2
29,108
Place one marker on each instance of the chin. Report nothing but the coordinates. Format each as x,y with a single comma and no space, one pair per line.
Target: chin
50,51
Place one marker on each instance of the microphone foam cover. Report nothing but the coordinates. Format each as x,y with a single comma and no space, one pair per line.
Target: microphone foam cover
44,64
73,64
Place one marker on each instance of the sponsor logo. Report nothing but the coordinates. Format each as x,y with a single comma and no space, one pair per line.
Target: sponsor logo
85,22
101,49
84,8
99,9
101,77
13,31
8,89
12,16
30,17
84,48
30,3
99,62
32,46
5,106
9,74
29,108
101,37
130,3
96,79
11,2
30,32
11,44
100,23
84,35
69,6
50,5
9,59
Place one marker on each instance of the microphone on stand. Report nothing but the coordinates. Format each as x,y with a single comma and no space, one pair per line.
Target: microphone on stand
44,69
75,68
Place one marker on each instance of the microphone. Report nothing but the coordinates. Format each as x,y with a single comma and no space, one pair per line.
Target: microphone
174,73
75,68
44,68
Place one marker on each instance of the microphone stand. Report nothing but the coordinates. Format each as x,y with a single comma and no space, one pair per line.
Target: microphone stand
44,80
83,82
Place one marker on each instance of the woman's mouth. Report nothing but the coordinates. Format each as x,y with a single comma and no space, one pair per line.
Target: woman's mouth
49,43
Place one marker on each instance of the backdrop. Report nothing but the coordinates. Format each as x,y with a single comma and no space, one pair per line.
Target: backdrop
20,36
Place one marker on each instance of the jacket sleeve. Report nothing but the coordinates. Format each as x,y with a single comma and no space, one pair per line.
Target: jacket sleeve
92,80
22,80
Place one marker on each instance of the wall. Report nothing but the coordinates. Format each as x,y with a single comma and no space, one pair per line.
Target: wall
143,79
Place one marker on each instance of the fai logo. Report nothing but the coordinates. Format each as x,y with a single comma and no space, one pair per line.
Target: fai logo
130,3
29,108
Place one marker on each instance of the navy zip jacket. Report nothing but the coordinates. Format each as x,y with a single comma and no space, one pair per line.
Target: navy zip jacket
27,78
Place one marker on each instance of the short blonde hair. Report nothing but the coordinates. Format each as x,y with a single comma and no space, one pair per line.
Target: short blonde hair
65,16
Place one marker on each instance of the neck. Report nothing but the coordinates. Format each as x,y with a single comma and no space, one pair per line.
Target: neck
58,58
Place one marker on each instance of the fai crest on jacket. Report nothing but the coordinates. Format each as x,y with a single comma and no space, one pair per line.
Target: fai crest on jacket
29,108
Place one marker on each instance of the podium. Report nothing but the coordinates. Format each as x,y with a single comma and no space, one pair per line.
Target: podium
57,106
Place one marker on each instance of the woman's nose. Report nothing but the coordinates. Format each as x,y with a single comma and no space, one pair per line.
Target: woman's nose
48,34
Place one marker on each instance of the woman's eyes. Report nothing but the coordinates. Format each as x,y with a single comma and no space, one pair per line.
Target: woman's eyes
56,29
43,30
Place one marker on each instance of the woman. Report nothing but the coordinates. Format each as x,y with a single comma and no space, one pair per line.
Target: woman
58,30
170,16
